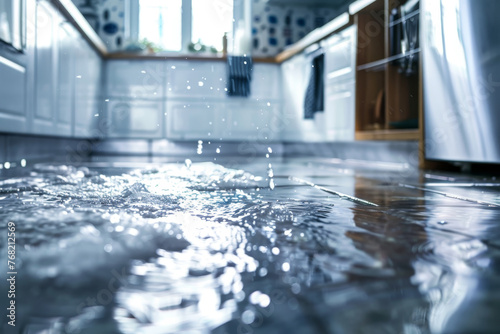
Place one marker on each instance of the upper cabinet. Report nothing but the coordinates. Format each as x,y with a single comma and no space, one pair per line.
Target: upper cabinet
67,76
45,68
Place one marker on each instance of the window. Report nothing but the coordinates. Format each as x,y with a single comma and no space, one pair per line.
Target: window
160,22
173,24
210,20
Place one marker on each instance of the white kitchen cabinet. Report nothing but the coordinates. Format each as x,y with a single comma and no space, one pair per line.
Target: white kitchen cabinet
196,79
87,76
13,97
251,121
45,69
266,82
195,120
144,79
339,111
295,78
135,118
66,36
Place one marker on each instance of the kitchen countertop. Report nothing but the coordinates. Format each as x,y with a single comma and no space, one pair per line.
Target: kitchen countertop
71,12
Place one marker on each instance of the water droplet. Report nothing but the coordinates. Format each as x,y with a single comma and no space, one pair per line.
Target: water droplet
6,165
188,87
268,104
108,248
200,83
143,71
172,67
188,163
23,162
276,250
442,222
271,184
217,150
285,266
270,150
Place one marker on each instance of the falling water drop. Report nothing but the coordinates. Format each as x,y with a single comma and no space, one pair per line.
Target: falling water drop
199,150
442,222
188,163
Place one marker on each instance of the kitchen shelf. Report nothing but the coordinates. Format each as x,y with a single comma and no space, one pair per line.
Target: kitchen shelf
411,134
379,65
387,99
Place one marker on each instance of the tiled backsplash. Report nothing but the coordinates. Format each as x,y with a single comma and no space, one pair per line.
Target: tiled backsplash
110,24
276,26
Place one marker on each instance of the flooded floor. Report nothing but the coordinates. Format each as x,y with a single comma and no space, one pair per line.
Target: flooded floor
260,246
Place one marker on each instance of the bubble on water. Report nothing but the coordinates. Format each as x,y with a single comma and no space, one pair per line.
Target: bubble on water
254,297
248,317
114,219
264,300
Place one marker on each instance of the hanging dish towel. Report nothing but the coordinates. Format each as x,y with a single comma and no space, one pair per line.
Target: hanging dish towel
239,69
314,99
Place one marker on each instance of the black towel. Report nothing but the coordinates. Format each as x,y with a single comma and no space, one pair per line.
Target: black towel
239,69
314,99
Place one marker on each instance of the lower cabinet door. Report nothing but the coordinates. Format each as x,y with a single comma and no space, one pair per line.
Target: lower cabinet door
135,119
194,120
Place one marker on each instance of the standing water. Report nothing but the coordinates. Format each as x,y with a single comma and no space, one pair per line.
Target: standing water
201,248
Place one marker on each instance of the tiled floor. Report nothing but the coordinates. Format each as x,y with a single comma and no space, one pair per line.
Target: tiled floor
330,246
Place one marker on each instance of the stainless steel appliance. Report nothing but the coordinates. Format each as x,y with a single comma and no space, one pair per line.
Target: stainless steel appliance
12,23
461,73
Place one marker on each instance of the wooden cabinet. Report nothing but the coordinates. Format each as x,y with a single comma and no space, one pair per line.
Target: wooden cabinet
387,87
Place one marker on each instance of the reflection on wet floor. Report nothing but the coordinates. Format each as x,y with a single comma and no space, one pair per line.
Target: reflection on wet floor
326,247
